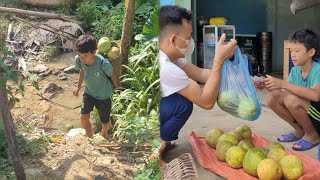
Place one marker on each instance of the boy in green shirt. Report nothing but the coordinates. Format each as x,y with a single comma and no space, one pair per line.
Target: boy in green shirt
94,70
298,100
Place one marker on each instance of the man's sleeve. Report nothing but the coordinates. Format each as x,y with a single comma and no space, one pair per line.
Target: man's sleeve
77,63
107,67
181,62
174,80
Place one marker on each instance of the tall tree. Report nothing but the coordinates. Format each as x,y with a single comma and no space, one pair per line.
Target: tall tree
6,117
126,37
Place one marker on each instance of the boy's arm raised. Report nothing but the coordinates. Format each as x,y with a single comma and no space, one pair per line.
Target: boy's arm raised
311,94
206,97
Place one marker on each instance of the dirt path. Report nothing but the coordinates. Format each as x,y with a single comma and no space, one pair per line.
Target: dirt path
75,158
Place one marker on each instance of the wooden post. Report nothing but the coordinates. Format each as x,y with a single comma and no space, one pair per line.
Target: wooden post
286,53
5,116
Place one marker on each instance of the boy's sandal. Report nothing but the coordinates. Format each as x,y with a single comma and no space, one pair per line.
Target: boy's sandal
288,138
304,145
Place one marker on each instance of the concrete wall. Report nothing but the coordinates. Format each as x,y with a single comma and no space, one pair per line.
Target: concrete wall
282,23
248,16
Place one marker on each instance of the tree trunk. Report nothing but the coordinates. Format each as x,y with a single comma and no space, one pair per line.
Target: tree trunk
126,37
39,14
5,116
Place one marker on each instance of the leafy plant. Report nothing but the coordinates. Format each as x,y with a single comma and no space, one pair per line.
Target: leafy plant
135,106
26,148
150,171
88,12
151,28
110,22
48,52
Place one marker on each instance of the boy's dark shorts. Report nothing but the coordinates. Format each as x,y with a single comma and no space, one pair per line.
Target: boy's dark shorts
103,107
314,114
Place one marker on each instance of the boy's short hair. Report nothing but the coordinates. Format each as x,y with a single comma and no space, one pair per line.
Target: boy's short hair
172,15
308,38
86,43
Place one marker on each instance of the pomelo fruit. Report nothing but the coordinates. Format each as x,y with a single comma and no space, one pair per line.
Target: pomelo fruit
245,131
113,53
234,156
275,145
236,134
276,154
228,137
246,108
104,45
246,144
251,161
292,167
269,169
212,137
228,100
222,148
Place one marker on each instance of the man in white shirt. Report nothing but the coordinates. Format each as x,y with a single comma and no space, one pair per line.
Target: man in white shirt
178,78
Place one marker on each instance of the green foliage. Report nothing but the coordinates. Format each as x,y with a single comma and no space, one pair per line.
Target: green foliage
109,23
48,52
135,106
144,11
87,14
150,171
11,73
26,148
151,28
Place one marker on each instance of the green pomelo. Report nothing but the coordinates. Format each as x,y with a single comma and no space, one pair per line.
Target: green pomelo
234,156
251,161
212,137
269,169
228,137
222,148
246,144
292,167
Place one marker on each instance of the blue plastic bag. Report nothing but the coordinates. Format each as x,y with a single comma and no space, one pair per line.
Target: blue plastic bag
237,95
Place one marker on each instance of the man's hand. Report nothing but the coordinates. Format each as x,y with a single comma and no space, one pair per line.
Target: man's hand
273,83
76,92
224,51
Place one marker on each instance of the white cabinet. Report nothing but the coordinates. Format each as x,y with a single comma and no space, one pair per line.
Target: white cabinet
211,35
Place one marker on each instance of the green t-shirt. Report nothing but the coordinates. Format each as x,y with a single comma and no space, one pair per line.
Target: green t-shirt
97,84
295,76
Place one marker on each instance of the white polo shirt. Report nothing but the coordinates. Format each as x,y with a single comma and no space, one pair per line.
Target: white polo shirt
172,77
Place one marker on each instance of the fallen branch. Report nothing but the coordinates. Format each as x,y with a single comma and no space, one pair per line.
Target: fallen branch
45,98
40,14
44,28
121,145
56,29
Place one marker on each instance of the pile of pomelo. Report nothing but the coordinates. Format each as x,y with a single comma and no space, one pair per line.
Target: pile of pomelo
237,150
108,49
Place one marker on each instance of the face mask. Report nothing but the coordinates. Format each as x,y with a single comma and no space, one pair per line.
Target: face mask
190,47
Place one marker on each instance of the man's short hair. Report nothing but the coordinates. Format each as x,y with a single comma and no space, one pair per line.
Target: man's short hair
308,38
172,15
86,43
